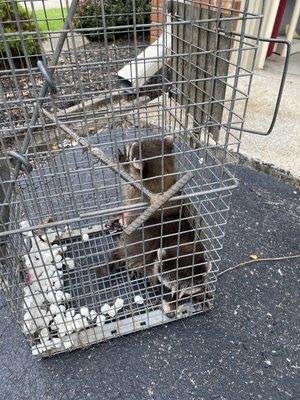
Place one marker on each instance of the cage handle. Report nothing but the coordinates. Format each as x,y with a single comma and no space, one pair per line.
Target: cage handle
24,163
47,77
282,81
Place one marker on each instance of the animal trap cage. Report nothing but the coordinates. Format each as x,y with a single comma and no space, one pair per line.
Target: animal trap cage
110,142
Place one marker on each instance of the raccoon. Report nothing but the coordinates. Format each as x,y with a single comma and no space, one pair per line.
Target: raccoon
184,281
152,161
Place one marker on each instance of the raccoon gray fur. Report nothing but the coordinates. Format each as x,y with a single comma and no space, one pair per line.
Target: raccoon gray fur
185,282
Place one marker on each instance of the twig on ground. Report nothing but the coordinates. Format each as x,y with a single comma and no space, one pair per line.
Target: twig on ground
243,264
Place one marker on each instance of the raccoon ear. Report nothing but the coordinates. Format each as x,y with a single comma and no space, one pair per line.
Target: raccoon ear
208,267
138,164
131,150
161,254
169,140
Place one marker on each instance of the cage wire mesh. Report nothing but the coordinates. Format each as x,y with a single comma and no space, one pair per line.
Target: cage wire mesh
117,161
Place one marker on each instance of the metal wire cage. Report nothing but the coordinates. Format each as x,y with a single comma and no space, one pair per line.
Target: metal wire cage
110,142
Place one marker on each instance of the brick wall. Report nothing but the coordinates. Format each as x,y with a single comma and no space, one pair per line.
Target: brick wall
157,11
156,16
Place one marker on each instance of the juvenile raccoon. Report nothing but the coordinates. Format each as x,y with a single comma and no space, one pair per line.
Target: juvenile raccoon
185,284
153,161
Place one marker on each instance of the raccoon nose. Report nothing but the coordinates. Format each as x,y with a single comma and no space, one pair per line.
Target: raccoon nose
171,314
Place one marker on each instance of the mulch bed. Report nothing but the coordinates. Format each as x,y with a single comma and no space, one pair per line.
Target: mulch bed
87,72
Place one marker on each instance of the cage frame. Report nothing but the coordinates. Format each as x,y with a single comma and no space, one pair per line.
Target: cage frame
208,203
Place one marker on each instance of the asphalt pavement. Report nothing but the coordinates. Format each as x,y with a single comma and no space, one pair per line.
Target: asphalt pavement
247,347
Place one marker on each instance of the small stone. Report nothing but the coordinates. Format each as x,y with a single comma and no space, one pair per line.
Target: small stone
57,342
119,303
100,320
268,362
105,308
68,343
84,311
62,308
85,237
111,312
92,315
69,263
47,257
51,270
50,236
68,296
58,284
55,297
138,300
44,334
35,350
24,224
70,313
58,319
80,322
54,309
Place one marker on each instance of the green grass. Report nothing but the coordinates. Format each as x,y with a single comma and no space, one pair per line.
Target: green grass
54,19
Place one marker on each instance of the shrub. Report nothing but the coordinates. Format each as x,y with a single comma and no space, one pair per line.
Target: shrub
117,13
8,19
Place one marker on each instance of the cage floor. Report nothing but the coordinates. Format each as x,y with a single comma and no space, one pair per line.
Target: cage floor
90,290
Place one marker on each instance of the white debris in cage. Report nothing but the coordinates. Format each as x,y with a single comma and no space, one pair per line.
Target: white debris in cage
138,299
47,314
105,308
119,303
85,237
100,319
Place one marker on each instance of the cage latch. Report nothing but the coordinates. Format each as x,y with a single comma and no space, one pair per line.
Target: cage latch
24,163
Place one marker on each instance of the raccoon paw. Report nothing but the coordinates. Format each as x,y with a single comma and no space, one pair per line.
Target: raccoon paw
136,274
114,225
102,270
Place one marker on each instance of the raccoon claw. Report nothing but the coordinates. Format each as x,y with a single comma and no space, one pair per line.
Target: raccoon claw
114,226
135,274
121,156
171,314
204,304
208,305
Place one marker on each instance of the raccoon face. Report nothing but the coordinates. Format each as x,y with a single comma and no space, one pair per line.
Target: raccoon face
153,161
183,281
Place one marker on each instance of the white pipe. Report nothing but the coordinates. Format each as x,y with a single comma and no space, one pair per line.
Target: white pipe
270,13
149,61
292,26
